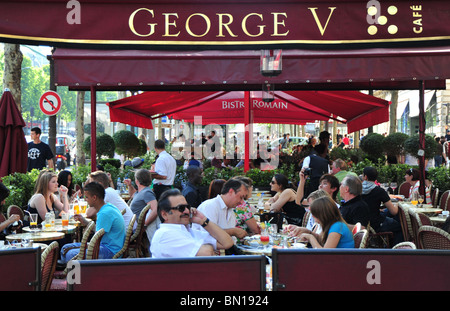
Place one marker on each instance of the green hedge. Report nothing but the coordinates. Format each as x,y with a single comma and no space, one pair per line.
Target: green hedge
22,185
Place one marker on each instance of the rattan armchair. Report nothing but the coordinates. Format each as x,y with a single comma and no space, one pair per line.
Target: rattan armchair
305,218
404,189
405,245
433,238
94,245
126,243
137,239
49,258
405,222
444,200
361,238
434,197
379,239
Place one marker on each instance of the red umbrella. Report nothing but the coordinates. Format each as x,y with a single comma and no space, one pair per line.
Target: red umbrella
13,146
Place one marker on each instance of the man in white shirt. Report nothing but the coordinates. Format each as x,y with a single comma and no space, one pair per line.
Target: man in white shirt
175,237
165,170
111,196
220,209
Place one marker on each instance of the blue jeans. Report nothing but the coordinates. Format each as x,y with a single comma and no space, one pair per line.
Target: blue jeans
392,225
69,250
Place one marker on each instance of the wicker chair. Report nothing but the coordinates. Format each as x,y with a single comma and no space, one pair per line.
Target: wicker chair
126,243
405,245
94,245
361,238
424,219
416,223
404,189
433,238
82,252
444,201
405,223
137,239
305,218
434,197
14,209
49,258
379,239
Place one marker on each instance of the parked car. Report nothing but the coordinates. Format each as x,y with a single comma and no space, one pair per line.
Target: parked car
292,140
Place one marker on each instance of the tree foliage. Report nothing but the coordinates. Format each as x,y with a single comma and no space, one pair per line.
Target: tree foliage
105,145
127,143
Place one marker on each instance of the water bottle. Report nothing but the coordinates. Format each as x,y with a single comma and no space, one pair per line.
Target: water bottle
119,183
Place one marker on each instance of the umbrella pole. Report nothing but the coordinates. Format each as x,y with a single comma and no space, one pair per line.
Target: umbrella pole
247,130
422,136
93,129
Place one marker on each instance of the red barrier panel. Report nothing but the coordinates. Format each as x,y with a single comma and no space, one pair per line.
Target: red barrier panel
20,269
361,270
222,273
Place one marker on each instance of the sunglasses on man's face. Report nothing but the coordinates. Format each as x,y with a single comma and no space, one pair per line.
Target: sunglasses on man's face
182,207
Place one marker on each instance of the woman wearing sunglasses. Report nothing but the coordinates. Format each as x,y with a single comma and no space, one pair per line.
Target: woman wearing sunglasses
284,200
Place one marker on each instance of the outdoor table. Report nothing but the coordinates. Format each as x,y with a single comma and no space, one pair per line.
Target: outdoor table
36,237
57,228
126,196
438,220
426,209
256,249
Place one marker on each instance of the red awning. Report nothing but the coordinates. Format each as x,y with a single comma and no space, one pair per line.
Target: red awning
382,69
356,109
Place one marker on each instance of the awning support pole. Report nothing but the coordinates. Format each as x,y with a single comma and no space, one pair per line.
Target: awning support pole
93,129
247,130
422,136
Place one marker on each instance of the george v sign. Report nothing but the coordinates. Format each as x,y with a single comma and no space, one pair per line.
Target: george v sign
210,24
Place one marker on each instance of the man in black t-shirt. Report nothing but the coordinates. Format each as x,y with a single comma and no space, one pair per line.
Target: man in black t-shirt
387,219
353,209
38,152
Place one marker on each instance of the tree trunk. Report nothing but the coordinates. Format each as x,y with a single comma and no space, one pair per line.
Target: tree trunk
13,72
393,112
81,158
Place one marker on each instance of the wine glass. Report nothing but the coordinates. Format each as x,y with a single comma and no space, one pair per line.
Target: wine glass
393,186
420,199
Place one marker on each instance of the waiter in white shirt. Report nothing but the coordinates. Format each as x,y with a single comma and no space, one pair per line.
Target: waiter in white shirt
165,169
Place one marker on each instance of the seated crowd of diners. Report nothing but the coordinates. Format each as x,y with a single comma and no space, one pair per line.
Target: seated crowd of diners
185,223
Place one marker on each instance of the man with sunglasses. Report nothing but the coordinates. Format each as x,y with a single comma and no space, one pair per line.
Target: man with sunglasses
176,238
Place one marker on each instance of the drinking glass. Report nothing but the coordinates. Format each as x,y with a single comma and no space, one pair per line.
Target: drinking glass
76,208
65,219
33,222
414,199
420,199
71,209
393,186
83,206
265,238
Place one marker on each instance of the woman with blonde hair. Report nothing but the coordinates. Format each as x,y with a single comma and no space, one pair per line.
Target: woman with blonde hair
335,232
44,199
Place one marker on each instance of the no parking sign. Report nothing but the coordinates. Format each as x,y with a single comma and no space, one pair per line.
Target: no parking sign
50,103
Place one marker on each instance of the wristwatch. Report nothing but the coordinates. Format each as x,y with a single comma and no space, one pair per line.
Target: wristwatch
205,223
